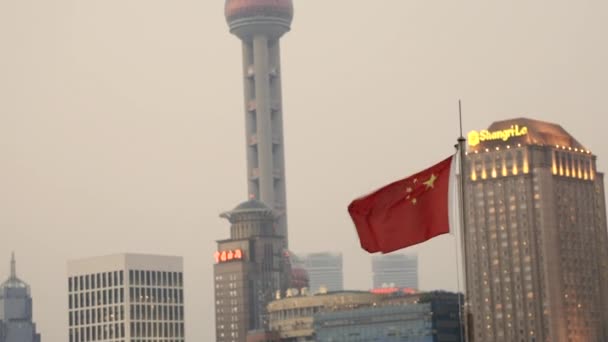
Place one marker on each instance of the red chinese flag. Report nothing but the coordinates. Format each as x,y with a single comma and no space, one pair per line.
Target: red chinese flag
406,212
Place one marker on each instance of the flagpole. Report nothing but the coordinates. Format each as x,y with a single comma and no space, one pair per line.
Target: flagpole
463,228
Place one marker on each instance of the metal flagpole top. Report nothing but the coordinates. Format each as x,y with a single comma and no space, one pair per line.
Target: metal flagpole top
463,228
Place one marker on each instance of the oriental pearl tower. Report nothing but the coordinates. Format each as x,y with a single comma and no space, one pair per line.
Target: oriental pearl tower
260,24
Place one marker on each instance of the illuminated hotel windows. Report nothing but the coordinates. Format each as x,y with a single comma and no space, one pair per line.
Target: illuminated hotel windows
526,206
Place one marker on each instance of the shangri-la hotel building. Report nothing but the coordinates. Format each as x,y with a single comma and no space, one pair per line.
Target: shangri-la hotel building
536,236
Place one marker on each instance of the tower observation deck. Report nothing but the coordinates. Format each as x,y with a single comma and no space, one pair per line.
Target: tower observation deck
260,24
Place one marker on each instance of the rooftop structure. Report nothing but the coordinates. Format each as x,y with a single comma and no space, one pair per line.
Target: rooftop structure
13,282
249,18
522,131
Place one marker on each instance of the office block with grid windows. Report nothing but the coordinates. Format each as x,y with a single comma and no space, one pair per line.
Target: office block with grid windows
126,298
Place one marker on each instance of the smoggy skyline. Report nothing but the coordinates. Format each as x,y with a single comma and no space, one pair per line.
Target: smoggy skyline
122,125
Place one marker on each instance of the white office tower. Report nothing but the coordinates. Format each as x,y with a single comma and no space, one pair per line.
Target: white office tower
126,298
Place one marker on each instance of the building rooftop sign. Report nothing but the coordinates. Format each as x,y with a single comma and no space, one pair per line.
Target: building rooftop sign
226,256
476,137
522,131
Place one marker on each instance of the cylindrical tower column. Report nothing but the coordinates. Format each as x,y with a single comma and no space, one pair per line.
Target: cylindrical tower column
278,138
260,24
263,119
250,120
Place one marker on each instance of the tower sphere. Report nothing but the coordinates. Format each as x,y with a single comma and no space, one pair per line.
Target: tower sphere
251,17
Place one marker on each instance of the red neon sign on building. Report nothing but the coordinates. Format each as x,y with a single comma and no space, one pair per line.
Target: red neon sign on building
229,255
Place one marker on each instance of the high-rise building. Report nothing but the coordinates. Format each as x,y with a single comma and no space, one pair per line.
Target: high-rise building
126,297
536,235
324,271
259,24
16,323
395,270
250,268
253,265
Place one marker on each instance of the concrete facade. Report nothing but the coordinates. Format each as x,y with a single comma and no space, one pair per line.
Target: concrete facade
126,297
536,236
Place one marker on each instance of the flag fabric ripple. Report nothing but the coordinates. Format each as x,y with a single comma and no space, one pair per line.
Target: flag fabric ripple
406,212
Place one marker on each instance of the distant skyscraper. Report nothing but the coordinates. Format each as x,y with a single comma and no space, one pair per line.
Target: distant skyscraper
395,270
16,323
251,267
260,24
126,297
324,271
537,240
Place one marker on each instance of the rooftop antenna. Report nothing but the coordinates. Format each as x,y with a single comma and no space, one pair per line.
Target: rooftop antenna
13,266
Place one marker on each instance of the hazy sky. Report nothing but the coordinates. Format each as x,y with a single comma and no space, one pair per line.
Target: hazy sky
122,127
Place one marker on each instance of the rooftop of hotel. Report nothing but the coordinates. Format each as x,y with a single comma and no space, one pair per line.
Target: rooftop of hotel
524,131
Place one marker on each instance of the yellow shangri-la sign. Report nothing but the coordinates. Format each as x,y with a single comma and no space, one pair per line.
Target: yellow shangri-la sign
477,137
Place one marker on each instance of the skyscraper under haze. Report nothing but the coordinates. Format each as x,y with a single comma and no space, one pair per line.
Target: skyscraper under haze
324,271
259,24
126,297
395,270
252,265
16,323
536,235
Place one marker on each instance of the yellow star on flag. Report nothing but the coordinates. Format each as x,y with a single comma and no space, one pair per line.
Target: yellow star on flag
431,182
414,201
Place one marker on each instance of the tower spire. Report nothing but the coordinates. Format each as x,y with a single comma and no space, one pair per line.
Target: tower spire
260,24
13,266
